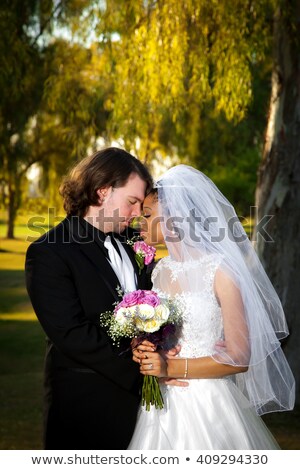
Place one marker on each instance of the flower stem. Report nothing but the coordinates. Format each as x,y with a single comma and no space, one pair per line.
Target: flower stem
151,393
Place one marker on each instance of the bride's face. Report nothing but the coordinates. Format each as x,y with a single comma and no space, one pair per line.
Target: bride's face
150,224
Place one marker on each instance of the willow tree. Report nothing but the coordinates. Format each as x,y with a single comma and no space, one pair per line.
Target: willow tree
169,59
23,23
278,188
26,28
75,91
20,79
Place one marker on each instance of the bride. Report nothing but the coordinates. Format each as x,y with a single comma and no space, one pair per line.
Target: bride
230,355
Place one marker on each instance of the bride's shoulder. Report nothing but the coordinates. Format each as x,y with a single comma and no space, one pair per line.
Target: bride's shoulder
162,263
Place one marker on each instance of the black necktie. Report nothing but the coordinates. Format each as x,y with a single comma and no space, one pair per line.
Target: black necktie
113,237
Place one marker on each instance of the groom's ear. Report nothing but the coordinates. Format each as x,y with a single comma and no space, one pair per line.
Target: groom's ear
102,193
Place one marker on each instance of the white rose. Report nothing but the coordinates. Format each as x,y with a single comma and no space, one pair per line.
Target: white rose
121,316
130,311
139,324
145,312
150,326
162,312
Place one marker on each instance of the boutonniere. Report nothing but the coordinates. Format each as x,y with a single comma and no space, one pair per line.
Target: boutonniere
144,254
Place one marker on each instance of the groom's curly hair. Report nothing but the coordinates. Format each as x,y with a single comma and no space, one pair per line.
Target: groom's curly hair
109,167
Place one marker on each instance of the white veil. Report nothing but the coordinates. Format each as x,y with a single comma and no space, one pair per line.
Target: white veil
197,220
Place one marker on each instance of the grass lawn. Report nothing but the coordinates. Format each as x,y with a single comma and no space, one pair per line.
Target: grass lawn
21,355
21,351
21,359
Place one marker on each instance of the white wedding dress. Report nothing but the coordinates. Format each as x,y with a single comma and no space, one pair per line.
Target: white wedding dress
209,413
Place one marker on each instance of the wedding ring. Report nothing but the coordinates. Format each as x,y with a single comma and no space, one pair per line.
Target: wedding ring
150,366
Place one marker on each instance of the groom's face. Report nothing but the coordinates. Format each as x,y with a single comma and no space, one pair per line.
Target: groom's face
119,206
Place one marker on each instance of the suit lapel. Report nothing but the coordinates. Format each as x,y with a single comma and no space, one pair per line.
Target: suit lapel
102,267
96,254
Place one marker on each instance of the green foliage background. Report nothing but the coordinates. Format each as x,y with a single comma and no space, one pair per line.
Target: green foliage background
187,79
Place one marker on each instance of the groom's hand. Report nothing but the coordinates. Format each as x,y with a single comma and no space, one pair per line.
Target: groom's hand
142,347
173,352
174,382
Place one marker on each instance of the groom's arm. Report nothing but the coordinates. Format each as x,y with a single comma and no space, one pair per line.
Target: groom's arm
55,300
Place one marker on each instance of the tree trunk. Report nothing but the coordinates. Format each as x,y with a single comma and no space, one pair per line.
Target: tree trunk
278,187
11,213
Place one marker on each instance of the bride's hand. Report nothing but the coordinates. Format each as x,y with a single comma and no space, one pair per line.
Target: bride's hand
151,363
173,352
142,346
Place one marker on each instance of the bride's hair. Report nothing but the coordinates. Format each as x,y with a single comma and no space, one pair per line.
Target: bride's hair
109,167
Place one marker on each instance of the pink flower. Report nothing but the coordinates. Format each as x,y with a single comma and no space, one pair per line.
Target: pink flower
140,246
151,298
131,298
138,297
147,252
149,258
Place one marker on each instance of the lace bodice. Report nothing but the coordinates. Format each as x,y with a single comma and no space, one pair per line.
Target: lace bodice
192,283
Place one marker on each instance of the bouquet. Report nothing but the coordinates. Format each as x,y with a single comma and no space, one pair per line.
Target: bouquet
142,314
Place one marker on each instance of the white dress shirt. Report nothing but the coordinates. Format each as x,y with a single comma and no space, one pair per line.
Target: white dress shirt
122,266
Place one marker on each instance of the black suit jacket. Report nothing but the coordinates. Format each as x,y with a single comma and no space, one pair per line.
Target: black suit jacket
70,282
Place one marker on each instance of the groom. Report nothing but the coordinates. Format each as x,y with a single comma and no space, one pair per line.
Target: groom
72,273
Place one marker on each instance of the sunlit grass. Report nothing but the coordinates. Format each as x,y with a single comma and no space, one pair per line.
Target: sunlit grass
22,346
14,301
12,260
18,316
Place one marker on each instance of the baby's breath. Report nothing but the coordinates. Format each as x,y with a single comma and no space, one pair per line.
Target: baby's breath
115,330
